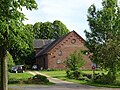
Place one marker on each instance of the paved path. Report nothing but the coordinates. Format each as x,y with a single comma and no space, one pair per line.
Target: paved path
59,85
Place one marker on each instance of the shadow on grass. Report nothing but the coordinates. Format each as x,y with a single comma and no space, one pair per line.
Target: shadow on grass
59,77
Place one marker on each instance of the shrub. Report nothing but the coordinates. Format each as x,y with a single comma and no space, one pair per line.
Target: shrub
74,74
75,61
73,64
40,78
104,79
89,76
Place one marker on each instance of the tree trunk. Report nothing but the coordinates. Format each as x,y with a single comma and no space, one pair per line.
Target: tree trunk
4,71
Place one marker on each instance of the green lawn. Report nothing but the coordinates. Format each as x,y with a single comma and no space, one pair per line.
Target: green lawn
62,75
25,78
19,76
16,78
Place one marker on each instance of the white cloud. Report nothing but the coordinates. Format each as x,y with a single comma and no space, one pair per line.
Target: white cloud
73,13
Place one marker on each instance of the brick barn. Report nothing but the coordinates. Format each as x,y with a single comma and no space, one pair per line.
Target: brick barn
51,54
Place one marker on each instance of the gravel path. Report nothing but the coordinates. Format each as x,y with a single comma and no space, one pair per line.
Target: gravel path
59,85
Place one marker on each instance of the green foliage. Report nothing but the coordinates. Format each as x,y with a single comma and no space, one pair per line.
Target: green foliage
48,30
89,76
37,31
16,78
11,19
11,30
104,79
20,54
103,41
73,64
41,78
76,74
59,29
75,61
10,61
26,78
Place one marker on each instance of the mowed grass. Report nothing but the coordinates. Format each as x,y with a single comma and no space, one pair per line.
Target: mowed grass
27,79
19,76
56,74
62,75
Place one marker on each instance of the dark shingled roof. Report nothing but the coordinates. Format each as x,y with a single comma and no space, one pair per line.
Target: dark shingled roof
49,46
39,43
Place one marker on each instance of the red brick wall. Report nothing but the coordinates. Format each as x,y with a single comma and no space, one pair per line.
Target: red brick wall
67,48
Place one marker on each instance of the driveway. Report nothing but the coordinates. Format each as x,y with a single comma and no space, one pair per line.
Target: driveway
59,85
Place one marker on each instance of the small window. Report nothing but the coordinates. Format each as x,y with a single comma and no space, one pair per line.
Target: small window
60,53
73,41
58,61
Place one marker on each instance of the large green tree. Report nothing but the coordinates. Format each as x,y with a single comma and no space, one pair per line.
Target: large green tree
48,30
103,40
59,29
11,28
20,54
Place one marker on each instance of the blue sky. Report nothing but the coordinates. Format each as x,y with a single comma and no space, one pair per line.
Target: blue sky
73,13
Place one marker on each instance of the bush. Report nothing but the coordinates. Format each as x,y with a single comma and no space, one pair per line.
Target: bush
40,78
75,61
89,76
104,79
74,74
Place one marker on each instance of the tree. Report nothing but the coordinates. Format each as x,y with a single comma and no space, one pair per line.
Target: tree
37,30
59,29
11,26
103,40
30,53
18,52
48,30
73,63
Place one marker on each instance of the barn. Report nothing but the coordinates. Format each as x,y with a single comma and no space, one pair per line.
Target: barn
51,54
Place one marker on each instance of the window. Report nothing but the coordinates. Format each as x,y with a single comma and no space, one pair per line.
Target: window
58,61
60,53
73,41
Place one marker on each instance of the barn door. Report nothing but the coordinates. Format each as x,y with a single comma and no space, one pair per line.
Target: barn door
44,63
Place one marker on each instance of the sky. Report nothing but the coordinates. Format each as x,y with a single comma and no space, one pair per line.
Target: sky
72,13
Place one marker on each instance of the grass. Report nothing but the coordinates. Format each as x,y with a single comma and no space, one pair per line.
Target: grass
16,78
24,78
62,75
19,76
